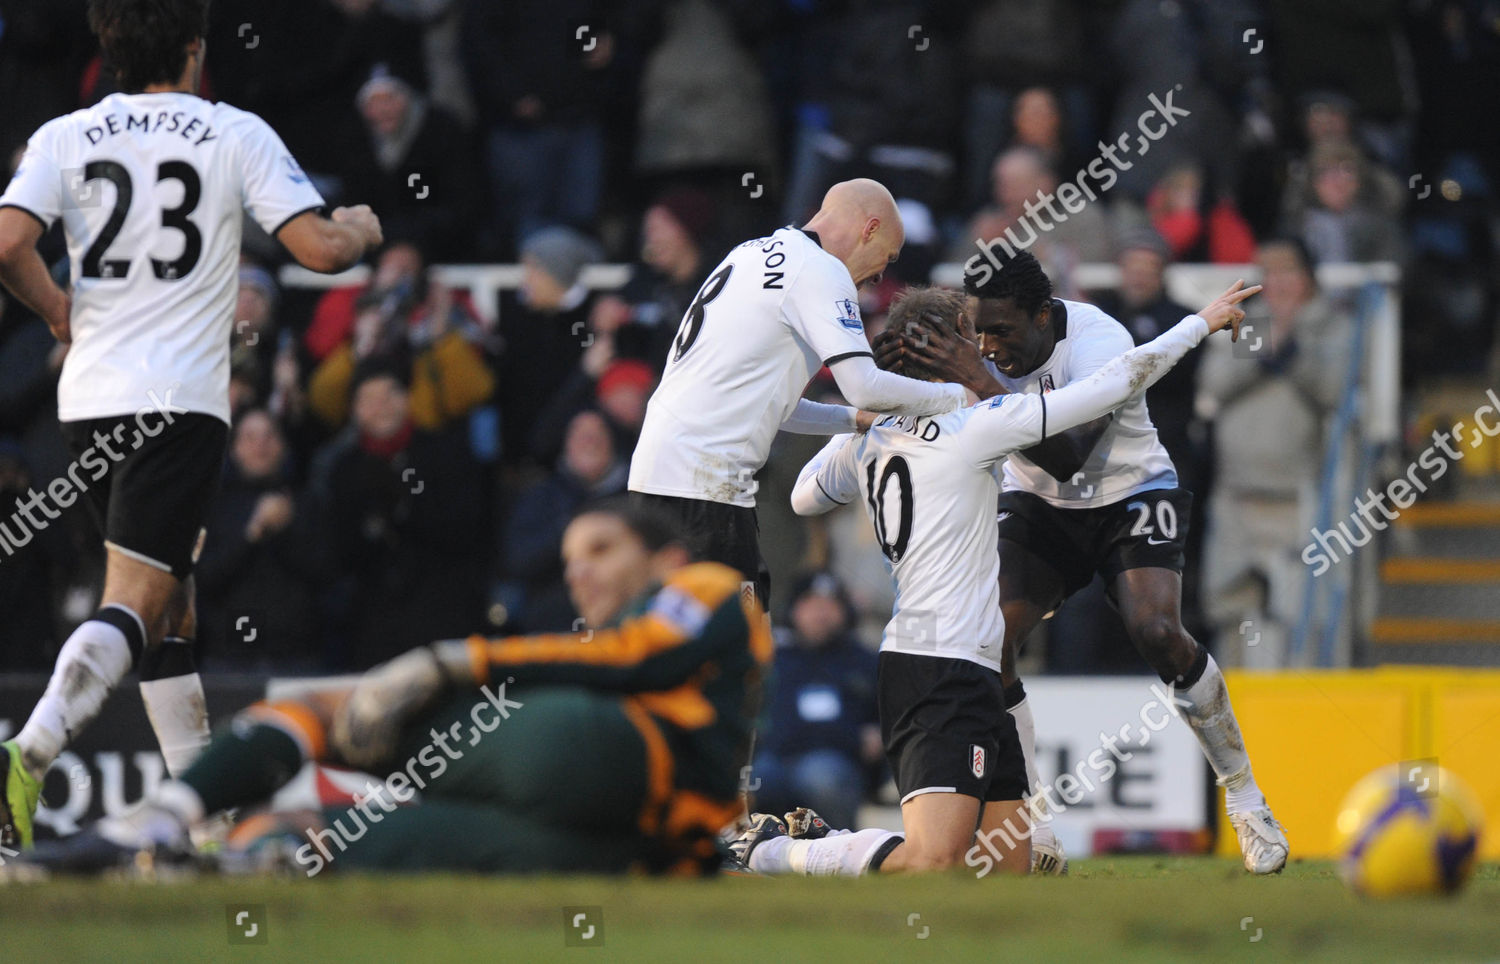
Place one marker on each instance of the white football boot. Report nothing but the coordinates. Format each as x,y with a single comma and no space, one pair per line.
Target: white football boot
1262,840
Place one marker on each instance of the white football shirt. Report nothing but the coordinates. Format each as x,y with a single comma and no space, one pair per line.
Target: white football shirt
1128,457
929,489
150,188
771,314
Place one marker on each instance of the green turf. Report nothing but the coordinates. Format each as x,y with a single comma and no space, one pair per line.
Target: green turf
1125,909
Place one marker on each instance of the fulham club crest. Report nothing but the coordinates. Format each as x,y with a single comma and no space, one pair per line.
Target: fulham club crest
976,759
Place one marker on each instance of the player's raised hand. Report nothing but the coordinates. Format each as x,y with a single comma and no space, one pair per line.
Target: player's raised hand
362,219
1225,312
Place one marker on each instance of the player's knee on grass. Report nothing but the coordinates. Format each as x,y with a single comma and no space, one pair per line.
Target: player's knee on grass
939,832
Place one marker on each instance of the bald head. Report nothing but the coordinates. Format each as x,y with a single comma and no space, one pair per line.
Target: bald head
860,225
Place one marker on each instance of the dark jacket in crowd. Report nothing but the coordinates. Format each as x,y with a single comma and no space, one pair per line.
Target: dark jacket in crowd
257,600
407,527
1170,401
533,48
439,212
532,545
820,698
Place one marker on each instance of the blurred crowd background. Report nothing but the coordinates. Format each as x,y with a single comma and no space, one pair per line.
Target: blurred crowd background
403,460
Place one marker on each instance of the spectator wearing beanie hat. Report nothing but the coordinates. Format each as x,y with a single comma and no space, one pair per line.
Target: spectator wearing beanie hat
676,246
545,329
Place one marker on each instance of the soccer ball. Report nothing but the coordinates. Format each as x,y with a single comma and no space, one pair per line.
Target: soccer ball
1411,832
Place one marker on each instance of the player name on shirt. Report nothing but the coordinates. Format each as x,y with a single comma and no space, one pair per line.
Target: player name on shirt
161,122
152,188
923,427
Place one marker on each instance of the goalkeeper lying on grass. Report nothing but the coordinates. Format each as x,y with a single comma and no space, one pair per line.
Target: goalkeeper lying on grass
618,749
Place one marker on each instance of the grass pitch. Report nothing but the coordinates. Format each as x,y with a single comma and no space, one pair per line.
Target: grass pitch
1115,909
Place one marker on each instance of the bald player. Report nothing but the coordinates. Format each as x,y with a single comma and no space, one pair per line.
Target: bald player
774,312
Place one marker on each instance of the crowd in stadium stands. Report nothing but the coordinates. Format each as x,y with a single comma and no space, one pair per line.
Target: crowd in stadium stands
403,459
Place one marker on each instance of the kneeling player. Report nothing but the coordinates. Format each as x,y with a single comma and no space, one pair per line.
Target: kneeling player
618,750
928,485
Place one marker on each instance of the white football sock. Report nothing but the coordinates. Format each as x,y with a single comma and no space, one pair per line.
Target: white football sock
179,715
91,663
182,800
1026,730
845,854
1212,718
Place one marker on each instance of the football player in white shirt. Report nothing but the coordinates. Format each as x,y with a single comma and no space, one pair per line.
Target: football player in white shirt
774,312
1102,497
149,185
928,485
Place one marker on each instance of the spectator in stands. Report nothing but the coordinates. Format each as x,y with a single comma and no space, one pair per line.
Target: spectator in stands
1339,208
1142,305
418,170
617,388
300,65
1192,55
1021,176
1356,48
252,351
405,317
1009,46
258,574
642,317
822,735
545,328
590,467
1198,225
1036,121
538,88
403,510
891,110
697,75
1269,395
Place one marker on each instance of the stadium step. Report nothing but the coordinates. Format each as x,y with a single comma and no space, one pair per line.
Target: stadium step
1467,530
1440,591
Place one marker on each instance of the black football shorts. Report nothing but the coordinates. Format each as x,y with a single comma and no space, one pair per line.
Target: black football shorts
150,494
1148,529
946,729
717,532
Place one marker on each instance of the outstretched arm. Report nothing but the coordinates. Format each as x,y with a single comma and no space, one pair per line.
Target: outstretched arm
1021,421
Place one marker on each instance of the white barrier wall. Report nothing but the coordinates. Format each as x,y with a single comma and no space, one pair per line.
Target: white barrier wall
1155,778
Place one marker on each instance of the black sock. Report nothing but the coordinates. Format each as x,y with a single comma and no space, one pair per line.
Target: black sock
174,657
886,849
1194,673
127,623
244,764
